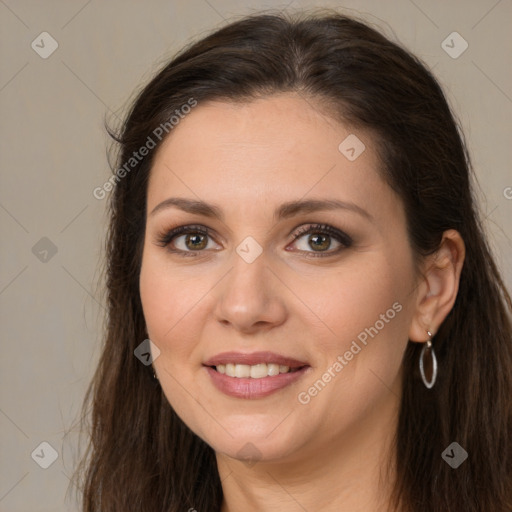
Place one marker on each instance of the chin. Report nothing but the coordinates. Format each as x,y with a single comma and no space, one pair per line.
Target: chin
252,451
250,441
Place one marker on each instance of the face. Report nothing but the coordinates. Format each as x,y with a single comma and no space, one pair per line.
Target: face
281,329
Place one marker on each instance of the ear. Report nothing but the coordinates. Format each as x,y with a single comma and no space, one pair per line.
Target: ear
438,286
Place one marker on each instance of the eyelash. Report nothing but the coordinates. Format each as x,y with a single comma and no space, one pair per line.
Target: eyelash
165,238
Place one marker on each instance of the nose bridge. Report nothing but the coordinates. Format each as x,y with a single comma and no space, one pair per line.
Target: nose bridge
248,296
248,278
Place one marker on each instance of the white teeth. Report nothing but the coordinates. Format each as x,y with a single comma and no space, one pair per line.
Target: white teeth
242,371
256,371
273,369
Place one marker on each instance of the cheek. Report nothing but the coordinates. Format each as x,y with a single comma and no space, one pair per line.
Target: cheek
363,312
165,300
155,295
173,301
359,344
171,304
353,298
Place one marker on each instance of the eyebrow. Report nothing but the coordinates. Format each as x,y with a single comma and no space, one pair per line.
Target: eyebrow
284,211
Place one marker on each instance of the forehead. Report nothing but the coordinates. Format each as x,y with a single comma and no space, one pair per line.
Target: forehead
269,150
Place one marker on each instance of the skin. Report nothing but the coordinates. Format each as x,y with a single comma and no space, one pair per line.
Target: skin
333,453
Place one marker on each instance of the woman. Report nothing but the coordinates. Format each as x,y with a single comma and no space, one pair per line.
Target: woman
292,226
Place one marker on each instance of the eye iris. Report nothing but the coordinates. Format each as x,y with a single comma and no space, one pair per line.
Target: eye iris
323,245
196,237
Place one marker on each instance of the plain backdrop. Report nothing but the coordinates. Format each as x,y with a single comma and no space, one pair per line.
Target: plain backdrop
53,155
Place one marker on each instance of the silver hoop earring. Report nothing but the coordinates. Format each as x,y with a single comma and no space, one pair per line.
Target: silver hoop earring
428,346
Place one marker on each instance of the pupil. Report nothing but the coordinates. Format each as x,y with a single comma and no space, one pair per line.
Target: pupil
321,246
196,237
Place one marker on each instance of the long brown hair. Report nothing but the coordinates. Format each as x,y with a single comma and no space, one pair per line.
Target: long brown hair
141,456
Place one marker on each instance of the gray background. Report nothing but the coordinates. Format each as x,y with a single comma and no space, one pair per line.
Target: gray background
53,156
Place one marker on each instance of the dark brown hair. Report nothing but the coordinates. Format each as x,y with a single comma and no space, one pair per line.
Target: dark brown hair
141,456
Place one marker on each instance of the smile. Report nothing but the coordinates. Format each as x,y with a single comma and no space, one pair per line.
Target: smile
256,371
253,375
251,388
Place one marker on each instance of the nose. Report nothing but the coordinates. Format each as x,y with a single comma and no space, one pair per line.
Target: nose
250,297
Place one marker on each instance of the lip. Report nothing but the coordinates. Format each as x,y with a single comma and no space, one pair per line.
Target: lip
248,388
254,358
253,388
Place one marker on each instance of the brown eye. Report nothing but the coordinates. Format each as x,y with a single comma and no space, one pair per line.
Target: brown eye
196,240
185,239
320,239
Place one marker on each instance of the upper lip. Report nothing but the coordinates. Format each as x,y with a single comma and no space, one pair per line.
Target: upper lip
253,358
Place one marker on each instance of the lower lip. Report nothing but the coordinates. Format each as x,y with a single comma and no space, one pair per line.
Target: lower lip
253,388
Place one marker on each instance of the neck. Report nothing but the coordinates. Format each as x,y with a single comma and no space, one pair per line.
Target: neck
355,473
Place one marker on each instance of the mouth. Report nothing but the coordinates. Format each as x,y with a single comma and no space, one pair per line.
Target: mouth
255,375
256,371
